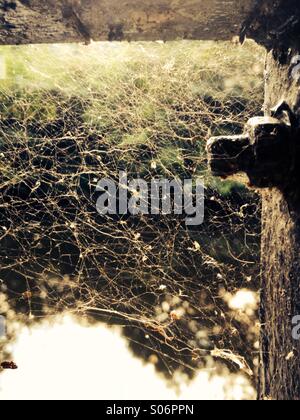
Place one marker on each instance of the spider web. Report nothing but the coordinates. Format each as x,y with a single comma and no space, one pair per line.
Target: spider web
71,115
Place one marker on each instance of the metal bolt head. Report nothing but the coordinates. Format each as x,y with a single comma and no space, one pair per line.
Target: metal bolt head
227,153
263,152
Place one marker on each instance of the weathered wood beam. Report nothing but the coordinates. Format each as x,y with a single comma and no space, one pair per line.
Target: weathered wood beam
280,289
51,21
274,23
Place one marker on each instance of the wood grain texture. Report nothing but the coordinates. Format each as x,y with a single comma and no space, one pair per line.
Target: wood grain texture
280,288
50,21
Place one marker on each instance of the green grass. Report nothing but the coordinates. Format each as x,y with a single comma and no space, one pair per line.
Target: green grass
169,97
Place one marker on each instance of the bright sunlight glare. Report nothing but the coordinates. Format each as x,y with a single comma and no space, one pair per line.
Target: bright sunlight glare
65,360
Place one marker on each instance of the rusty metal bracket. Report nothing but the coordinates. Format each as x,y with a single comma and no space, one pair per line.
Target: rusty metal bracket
265,151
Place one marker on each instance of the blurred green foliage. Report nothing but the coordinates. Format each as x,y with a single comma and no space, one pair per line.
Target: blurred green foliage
170,97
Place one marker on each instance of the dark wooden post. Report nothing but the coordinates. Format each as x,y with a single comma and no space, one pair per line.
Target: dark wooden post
269,152
280,289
